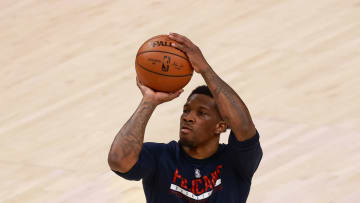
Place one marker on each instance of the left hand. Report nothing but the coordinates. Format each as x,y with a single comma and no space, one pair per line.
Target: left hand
193,52
156,98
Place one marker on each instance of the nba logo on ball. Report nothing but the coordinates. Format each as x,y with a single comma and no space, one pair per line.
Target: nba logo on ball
161,66
166,64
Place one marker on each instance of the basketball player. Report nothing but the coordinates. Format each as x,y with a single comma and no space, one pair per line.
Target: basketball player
196,168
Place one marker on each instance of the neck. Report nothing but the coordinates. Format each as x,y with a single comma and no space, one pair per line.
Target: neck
202,151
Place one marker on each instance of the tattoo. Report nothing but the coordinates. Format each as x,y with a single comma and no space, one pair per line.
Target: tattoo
230,105
128,142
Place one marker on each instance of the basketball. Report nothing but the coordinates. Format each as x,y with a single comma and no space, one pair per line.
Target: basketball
161,66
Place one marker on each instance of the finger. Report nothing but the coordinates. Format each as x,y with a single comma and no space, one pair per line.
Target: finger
177,37
172,96
176,94
179,46
137,81
179,92
141,86
181,39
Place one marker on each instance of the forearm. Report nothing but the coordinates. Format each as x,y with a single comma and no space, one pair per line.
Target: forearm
127,144
232,109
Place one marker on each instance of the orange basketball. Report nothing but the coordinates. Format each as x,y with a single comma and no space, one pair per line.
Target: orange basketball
161,66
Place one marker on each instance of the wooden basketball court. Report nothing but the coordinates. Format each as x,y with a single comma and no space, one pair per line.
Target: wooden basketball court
68,85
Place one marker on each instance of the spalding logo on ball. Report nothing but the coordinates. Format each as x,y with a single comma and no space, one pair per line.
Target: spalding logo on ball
161,66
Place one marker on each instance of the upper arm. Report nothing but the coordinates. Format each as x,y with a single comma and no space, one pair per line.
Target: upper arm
239,120
123,165
246,155
146,165
244,133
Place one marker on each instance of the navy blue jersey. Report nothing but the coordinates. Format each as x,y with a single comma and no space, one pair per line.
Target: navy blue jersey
170,175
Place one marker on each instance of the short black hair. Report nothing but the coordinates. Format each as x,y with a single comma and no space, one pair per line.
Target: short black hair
203,89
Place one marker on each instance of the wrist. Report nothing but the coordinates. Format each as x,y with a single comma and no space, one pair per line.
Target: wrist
206,69
149,102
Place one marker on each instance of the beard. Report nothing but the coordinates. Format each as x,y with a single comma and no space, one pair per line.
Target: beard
186,143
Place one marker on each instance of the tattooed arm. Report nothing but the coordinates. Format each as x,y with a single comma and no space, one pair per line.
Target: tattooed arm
126,147
231,107
127,144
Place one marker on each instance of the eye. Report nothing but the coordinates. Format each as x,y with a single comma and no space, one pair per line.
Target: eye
186,111
202,113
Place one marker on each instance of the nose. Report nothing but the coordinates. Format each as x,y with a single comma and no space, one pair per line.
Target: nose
189,117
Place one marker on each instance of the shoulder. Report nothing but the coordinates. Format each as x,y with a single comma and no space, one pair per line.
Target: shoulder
254,141
245,155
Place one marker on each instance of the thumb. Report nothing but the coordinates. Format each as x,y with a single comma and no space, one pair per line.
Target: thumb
142,87
176,94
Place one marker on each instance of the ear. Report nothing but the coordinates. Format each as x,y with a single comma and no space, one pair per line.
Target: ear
221,127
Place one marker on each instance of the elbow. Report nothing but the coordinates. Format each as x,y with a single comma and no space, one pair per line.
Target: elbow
248,131
113,161
117,163
244,132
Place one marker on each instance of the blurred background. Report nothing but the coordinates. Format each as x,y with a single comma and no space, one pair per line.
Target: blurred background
67,85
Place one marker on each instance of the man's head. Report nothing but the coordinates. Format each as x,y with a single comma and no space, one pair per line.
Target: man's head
200,121
203,89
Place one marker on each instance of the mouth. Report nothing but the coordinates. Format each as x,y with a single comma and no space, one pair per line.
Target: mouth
186,129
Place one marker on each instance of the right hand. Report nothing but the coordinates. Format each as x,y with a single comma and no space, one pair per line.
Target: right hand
156,97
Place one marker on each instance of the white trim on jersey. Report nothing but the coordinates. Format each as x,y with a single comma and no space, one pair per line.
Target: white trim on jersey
191,195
